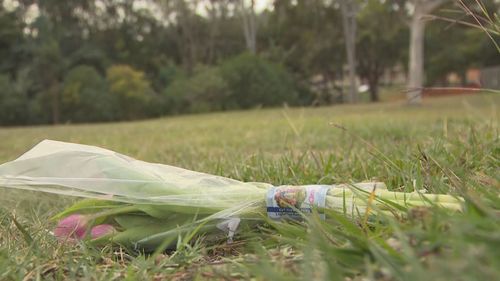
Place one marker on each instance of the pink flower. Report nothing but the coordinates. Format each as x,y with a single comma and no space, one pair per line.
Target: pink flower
102,230
73,226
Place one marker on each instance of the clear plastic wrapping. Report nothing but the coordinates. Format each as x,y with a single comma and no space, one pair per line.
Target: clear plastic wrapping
150,203
92,172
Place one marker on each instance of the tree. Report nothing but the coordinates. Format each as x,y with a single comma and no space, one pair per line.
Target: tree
349,10
253,81
56,63
306,36
84,96
48,66
416,56
189,32
205,90
130,89
53,37
13,102
12,41
380,46
249,22
472,48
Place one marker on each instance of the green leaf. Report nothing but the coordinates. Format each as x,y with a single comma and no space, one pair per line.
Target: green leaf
86,206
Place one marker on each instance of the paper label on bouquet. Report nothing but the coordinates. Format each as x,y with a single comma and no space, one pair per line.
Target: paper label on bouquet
288,202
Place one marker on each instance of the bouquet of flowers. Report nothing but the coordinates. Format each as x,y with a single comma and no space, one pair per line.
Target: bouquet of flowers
148,206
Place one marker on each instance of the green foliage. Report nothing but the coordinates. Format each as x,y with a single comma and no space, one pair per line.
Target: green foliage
472,49
241,82
167,74
85,96
299,61
13,103
11,41
253,81
309,34
456,47
380,39
205,90
92,56
130,89
307,37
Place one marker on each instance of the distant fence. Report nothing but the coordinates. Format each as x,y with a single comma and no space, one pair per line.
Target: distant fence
490,78
448,91
486,78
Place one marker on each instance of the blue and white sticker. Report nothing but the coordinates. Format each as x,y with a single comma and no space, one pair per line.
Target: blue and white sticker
287,202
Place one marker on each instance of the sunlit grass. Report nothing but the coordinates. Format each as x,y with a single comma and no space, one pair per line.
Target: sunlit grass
449,145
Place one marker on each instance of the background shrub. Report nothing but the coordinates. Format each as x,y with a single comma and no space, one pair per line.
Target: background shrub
85,96
254,81
130,90
205,90
13,103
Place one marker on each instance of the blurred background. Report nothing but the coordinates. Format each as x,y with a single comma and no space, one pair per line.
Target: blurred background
111,60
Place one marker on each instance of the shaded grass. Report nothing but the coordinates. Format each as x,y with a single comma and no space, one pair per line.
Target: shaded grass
450,145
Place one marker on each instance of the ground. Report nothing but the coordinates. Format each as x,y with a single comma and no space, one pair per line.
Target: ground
449,145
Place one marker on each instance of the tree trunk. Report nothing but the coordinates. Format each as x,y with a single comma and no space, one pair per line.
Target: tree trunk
54,94
184,35
416,64
349,23
214,26
373,88
249,25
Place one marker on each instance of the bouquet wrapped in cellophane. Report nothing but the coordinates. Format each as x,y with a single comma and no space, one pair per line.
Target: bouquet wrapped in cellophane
149,206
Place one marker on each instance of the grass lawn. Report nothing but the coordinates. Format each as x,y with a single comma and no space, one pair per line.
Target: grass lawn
449,145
